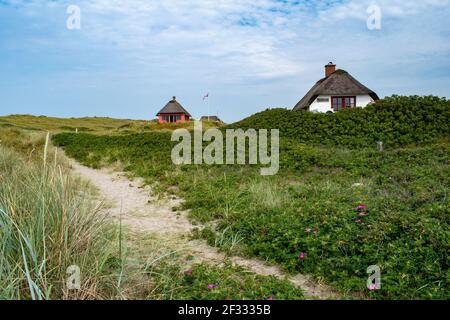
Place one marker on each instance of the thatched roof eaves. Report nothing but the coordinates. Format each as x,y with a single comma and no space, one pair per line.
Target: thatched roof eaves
173,106
339,83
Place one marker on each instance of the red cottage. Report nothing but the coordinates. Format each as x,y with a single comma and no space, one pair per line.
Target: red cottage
173,112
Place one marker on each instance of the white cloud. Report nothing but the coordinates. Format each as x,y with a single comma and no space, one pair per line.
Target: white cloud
269,46
356,9
260,43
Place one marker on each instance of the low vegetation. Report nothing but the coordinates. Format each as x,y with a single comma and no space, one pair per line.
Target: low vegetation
170,276
337,206
97,125
396,121
50,221
204,282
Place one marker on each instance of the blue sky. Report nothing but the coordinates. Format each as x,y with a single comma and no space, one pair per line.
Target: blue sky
130,57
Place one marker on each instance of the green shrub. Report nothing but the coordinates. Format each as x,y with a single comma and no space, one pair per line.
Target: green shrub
226,282
395,121
329,164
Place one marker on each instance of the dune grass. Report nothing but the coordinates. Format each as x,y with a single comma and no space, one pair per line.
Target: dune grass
310,206
51,221
97,125
48,223
164,272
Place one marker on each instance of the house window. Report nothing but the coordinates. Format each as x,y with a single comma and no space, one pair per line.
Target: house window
171,118
341,103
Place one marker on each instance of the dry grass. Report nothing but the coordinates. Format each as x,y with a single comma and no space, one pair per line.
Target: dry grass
268,194
97,125
48,223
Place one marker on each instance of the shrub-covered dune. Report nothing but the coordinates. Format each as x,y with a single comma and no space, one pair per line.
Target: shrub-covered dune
395,121
329,167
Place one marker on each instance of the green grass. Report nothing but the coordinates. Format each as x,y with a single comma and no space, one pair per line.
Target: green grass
98,125
229,283
173,274
327,170
43,123
48,223
405,229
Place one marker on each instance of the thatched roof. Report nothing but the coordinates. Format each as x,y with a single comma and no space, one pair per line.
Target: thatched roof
173,107
211,118
339,83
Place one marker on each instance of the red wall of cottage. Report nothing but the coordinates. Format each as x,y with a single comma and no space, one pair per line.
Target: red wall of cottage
183,119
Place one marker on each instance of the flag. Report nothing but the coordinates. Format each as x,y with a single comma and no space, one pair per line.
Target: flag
206,96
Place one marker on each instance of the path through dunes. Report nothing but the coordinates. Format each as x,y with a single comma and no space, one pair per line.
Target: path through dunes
144,214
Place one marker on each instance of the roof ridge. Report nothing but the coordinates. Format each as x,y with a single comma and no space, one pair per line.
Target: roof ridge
340,82
173,106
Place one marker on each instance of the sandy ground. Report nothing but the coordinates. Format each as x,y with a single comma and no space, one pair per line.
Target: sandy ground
143,213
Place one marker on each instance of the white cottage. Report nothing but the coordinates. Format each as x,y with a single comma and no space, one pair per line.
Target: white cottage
337,91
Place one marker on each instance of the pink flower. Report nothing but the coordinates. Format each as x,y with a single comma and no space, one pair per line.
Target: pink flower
373,287
211,286
188,272
269,298
361,207
301,256
361,214
358,221
308,230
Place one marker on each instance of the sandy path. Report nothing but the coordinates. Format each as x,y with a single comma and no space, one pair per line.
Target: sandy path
144,213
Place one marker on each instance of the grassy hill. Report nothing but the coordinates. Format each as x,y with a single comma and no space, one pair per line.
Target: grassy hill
395,121
97,125
51,220
329,167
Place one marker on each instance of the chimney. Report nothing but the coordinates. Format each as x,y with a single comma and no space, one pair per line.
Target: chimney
329,69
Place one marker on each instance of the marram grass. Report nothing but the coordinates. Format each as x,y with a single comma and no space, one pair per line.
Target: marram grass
49,222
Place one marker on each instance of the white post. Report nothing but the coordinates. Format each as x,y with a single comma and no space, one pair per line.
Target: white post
380,146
